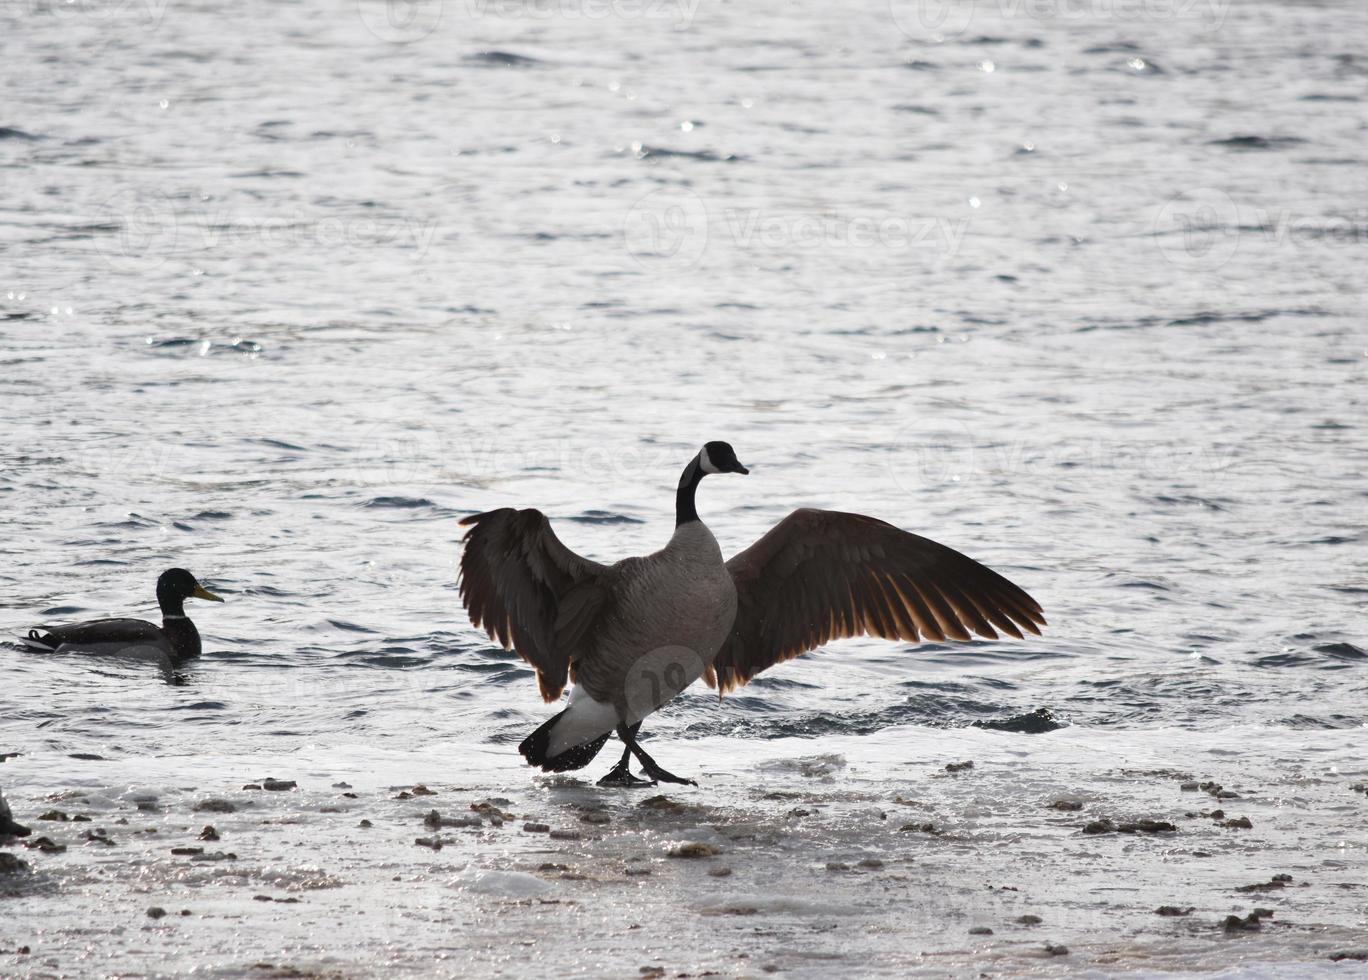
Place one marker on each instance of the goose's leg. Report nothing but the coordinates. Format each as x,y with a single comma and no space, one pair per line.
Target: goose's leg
652,768
621,774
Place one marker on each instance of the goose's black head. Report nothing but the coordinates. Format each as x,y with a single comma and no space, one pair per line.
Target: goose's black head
176,585
714,457
718,457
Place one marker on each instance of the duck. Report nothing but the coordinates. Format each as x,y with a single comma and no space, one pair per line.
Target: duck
176,638
631,636
8,826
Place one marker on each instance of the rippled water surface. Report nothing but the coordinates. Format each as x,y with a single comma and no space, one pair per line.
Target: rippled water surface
285,291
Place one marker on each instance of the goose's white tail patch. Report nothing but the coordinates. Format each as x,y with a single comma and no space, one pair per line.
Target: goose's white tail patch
582,722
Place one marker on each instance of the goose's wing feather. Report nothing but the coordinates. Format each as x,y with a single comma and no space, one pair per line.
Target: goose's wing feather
529,591
101,633
820,575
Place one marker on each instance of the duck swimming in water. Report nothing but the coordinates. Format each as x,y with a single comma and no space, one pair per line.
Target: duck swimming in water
8,826
176,638
632,635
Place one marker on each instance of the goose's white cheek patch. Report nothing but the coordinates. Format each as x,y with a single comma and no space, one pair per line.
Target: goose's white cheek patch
706,462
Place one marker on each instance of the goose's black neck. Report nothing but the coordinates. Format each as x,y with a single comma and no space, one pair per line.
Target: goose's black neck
685,511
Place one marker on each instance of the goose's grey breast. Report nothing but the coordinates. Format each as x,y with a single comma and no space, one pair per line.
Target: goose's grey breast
670,613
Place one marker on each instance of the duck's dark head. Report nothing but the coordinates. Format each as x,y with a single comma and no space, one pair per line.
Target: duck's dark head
176,585
718,457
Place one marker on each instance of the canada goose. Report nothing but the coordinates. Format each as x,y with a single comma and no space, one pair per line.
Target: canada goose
175,638
632,635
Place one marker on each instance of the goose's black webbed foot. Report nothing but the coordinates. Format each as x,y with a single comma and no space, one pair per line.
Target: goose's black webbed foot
658,774
649,765
622,776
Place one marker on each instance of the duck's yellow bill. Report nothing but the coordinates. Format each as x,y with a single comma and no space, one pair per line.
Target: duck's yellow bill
202,593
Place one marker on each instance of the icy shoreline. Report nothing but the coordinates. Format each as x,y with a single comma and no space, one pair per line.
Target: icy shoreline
859,854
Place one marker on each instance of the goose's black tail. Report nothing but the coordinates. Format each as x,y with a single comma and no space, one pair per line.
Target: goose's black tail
534,749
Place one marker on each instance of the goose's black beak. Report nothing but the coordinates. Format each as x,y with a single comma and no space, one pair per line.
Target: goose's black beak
739,469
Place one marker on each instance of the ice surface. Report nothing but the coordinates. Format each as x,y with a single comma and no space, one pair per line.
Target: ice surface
881,865
504,884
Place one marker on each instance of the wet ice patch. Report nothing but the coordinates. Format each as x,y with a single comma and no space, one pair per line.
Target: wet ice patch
502,884
747,904
809,767
302,878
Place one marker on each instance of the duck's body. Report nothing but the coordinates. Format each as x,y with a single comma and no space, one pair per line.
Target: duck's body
176,639
8,826
633,635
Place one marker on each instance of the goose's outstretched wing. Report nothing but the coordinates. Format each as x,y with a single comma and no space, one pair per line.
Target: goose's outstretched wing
529,591
820,575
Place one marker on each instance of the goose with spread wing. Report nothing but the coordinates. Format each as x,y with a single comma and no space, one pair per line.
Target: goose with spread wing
632,635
